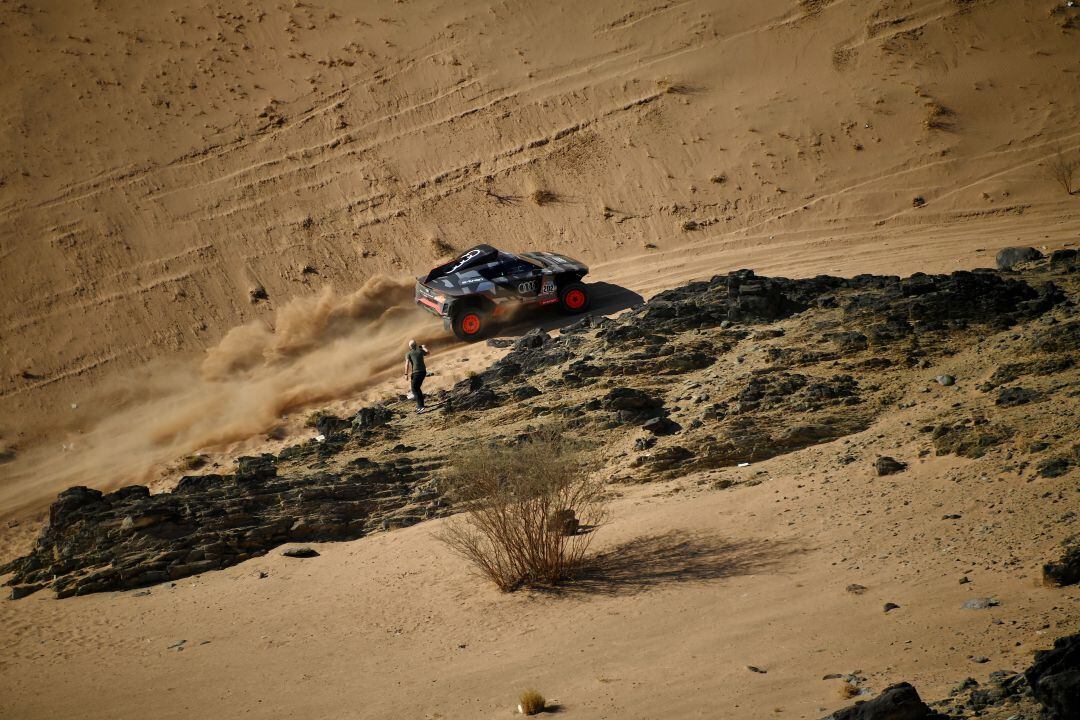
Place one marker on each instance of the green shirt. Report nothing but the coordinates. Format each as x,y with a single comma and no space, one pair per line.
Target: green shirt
416,357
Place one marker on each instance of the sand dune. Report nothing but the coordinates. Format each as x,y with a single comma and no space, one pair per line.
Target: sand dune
210,218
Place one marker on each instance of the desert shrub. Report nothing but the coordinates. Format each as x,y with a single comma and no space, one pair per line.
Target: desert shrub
938,117
528,510
442,248
544,197
313,419
1061,169
531,703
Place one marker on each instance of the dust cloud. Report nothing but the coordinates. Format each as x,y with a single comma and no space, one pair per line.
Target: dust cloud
316,349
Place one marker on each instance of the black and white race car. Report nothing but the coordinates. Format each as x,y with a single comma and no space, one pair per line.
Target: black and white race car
484,284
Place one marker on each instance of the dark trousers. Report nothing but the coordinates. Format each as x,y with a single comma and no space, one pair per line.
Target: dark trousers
417,390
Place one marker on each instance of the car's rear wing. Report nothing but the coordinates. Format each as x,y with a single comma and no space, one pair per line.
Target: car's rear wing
472,257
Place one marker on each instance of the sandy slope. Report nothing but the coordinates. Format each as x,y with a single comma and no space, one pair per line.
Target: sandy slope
713,581
186,155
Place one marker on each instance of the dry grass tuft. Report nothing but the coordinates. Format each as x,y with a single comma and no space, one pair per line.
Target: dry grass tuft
848,691
674,88
938,117
544,197
515,502
442,248
531,703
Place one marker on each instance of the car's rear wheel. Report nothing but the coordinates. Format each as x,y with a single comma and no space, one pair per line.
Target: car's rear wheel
574,298
470,323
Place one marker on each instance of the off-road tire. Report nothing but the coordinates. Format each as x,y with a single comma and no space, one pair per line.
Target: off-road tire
574,298
471,323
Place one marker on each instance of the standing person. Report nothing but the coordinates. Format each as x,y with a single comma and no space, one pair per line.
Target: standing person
416,371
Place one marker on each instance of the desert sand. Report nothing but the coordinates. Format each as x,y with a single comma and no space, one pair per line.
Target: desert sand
210,219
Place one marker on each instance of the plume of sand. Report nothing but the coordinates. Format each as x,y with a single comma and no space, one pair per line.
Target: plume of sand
316,349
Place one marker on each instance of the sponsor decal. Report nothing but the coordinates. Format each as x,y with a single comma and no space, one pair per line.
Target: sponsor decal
464,259
527,287
548,288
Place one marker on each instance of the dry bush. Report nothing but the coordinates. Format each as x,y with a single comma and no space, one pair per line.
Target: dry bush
1062,169
515,502
442,248
531,703
938,117
544,197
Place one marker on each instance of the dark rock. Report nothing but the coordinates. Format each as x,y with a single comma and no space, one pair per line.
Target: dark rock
945,380
1053,467
1065,571
130,539
1010,257
886,465
21,591
969,441
524,392
637,402
896,702
856,589
1066,259
564,522
661,426
981,603
500,342
1013,396
328,424
891,606
532,340
644,443
369,418
1054,678
256,469
300,552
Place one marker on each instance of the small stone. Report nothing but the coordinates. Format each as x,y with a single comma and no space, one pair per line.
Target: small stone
945,380
755,669
981,603
856,589
891,606
964,580
300,552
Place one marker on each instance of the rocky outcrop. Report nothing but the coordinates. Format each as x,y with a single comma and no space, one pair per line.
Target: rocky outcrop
130,538
653,372
1010,257
1054,678
896,702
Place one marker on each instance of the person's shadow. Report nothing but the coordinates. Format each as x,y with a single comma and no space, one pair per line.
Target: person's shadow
607,299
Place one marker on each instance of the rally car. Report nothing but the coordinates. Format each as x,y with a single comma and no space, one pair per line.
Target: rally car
484,284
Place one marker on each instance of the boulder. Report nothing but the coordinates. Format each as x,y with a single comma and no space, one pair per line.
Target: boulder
896,702
256,469
1066,571
369,418
1013,396
634,401
661,426
1054,678
886,465
1010,257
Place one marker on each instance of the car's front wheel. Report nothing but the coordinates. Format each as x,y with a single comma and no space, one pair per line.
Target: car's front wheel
470,323
574,298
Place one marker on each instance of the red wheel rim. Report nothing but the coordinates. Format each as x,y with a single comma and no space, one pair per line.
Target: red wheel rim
470,324
575,299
